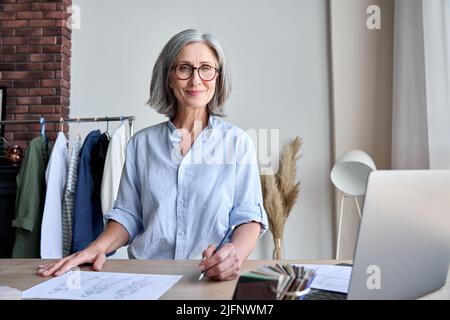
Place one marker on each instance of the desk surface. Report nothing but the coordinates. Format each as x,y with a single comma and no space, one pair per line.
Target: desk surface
21,274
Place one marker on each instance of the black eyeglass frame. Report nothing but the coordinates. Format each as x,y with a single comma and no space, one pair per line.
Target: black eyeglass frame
217,71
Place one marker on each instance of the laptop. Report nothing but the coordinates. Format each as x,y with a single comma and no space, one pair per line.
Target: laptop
403,244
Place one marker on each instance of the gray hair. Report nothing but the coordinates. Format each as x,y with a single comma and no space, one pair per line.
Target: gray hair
162,98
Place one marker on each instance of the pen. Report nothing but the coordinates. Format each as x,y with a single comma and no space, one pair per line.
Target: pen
218,247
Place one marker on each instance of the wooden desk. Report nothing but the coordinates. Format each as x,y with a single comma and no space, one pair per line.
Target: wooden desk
21,274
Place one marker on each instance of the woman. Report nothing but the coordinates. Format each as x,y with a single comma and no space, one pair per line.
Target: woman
188,180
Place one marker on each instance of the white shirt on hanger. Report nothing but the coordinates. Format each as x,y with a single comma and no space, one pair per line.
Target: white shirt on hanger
56,177
114,161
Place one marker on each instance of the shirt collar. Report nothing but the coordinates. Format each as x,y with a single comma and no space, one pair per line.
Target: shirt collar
175,137
61,140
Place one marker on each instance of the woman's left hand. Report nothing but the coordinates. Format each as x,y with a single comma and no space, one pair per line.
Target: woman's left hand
225,264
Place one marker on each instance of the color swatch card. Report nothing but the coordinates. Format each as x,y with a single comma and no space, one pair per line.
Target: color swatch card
280,282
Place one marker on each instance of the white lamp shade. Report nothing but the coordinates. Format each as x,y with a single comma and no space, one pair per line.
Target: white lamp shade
351,171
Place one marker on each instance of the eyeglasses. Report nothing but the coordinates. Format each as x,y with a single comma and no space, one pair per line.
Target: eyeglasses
185,71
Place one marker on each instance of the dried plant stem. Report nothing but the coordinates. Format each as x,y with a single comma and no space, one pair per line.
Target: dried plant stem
277,252
280,192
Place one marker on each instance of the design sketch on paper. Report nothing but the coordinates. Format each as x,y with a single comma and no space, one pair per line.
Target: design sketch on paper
69,284
132,288
331,277
332,281
103,285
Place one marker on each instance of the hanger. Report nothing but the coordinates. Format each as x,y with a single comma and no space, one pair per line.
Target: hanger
5,146
61,128
42,122
78,128
98,123
5,141
61,124
107,129
131,125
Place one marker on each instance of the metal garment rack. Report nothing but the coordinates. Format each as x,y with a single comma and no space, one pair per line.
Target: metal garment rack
77,120
70,120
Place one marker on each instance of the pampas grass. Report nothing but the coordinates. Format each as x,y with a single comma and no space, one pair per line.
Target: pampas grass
280,192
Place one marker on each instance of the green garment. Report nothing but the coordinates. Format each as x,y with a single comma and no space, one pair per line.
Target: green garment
30,200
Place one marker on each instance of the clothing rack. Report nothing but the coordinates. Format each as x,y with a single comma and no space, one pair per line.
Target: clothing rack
76,120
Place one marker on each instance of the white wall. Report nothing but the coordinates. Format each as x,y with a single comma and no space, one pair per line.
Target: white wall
279,65
362,91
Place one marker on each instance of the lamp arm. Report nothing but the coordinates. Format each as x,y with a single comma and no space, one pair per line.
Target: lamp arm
357,206
338,246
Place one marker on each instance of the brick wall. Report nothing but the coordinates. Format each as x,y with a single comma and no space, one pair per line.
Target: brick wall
35,50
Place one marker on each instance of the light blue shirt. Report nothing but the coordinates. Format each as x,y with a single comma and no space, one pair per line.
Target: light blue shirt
172,206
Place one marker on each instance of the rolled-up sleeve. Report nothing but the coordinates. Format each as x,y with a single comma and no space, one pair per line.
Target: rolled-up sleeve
127,209
248,200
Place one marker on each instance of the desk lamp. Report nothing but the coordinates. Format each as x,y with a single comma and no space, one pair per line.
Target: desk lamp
349,175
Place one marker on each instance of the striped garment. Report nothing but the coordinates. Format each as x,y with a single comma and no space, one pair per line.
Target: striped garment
69,197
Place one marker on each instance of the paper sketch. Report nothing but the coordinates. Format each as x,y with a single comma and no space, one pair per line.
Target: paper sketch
330,277
88,285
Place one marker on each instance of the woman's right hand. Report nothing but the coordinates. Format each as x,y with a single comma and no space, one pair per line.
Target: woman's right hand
89,255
